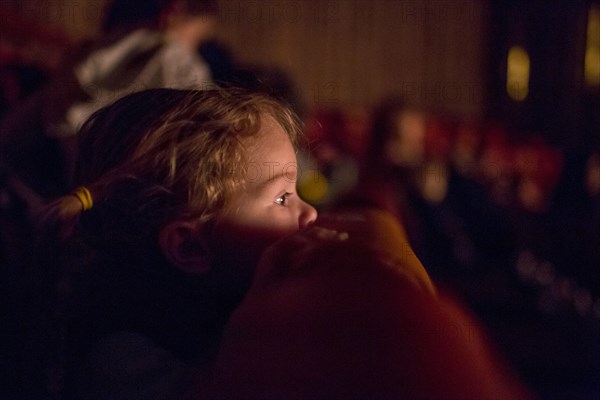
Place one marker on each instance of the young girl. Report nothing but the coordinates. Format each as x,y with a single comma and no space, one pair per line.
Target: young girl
180,193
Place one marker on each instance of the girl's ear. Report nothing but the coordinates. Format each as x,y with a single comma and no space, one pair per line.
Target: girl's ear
184,246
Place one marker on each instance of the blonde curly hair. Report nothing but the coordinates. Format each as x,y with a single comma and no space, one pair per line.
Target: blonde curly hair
164,154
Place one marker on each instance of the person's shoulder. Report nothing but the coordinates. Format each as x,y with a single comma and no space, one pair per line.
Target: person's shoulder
346,310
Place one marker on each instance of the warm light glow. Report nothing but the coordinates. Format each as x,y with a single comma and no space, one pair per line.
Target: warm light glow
592,51
517,73
313,187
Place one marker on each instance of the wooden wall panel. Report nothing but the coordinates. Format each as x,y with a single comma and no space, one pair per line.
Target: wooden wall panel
353,52
340,52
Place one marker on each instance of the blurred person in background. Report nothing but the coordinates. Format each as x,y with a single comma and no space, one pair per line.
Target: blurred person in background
398,176
144,44
463,237
396,152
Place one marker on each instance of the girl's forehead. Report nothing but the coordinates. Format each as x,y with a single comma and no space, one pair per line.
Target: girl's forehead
270,133
268,124
271,147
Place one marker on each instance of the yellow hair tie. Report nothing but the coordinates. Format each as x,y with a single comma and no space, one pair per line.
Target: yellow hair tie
84,196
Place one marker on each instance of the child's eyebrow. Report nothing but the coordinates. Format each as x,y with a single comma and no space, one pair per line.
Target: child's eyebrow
275,179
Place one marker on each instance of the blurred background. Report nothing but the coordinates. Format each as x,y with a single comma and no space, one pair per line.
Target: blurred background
476,122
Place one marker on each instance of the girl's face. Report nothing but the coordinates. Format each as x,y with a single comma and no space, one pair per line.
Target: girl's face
267,208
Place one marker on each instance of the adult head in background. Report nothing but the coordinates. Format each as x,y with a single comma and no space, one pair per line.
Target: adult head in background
396,152
191,20
188,188
397,135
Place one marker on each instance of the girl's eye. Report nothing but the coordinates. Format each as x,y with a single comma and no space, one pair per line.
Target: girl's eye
283,199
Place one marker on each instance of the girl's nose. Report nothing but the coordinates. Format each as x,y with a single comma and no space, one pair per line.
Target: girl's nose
308,215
